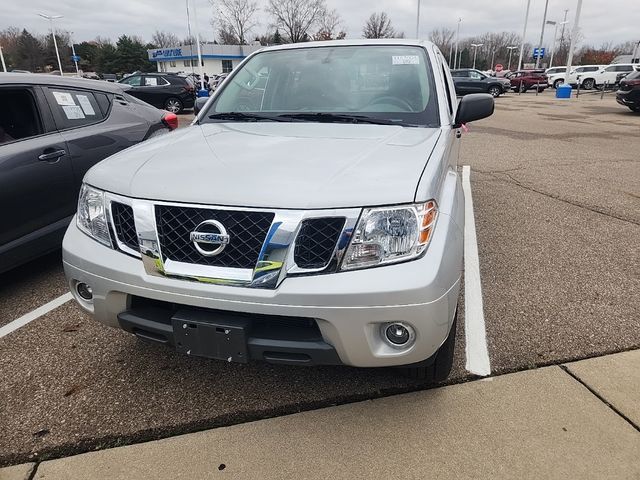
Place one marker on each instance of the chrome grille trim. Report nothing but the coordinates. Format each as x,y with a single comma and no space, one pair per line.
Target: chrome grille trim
276,258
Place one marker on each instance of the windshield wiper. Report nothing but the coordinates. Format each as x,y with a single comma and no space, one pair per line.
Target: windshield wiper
339,117
244,117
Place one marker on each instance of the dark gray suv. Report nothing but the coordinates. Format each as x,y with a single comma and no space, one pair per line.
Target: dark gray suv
52,130
469,80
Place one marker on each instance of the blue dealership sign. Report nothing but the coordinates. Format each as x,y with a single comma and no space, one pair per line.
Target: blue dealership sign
538,52
75,58
166,52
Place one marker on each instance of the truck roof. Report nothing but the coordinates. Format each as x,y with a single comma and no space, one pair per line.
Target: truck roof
351,43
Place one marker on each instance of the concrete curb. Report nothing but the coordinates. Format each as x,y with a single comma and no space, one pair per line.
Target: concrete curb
544,423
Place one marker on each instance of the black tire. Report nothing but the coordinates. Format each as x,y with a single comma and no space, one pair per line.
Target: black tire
173,105
588,83
495,91
540,90
434,370
557,83
634,108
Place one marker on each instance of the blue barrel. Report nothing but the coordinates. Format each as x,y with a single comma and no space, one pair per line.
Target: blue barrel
563,91
203,93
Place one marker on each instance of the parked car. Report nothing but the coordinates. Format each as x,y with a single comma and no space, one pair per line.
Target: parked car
555,76
168,91
629,91
468,80
218,79
109,77
357,261
609,74
90,75
52,130
523,80
585,74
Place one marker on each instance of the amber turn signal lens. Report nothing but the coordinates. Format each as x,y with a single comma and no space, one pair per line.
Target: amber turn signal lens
425,235
428,218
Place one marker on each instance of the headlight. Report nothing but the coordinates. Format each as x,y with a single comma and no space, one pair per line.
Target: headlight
391,234
92,216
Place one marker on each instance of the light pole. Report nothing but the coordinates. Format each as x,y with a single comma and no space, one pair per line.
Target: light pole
544,22
636,51
198,50
418,21
73,52
524,34
555,38
564,23
4,65
455,58
475,51
553,43
574,34
51,18
511,49
75,61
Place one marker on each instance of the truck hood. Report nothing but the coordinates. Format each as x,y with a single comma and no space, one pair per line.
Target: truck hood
277,165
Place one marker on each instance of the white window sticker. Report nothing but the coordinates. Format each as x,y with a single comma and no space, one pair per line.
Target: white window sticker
73,112
405,60
150,81
64,98
87,108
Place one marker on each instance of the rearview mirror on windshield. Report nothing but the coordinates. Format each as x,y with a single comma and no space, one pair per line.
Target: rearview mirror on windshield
474,107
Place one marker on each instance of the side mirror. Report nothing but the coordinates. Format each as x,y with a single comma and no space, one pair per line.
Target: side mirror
475,106
199,105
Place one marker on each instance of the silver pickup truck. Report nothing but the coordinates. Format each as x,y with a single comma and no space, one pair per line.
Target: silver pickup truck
312,214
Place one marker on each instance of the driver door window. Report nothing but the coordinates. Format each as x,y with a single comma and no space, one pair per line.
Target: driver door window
134,81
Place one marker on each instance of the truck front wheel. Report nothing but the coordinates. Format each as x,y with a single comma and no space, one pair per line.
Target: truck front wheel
434,370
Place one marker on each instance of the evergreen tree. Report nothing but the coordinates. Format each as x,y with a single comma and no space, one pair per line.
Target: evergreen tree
28,52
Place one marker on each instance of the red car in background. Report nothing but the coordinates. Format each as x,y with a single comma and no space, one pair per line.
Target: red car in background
523,80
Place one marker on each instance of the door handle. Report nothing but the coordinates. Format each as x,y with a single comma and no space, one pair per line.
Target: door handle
52,155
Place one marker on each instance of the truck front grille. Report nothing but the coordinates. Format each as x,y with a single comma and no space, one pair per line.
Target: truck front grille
124,225
316,241
247,232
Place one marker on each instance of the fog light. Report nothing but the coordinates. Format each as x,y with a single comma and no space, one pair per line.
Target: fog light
399,334
84,291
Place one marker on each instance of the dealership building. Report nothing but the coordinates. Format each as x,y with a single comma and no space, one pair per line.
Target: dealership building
215,58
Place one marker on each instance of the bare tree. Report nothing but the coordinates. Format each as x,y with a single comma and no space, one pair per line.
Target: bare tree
164,39
379,25
297,17
227,37
330,26
236,19
443,38
189,40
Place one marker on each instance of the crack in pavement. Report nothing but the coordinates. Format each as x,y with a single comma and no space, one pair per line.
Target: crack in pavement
516,182
599,397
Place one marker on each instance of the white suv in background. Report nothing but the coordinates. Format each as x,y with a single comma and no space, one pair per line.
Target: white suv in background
586,74
555,76
610,73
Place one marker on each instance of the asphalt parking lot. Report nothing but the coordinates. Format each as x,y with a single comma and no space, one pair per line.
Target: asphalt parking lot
556,190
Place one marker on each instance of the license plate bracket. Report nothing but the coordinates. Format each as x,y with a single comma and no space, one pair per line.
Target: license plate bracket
210,335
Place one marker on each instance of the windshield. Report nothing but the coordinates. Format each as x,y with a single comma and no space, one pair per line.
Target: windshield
375,84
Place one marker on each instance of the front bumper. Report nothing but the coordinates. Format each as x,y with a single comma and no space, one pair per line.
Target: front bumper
347,307
630,98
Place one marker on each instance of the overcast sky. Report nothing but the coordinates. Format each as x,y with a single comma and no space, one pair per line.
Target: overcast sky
612,20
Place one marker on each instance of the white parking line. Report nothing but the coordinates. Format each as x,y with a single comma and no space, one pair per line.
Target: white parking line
475,333
31,316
